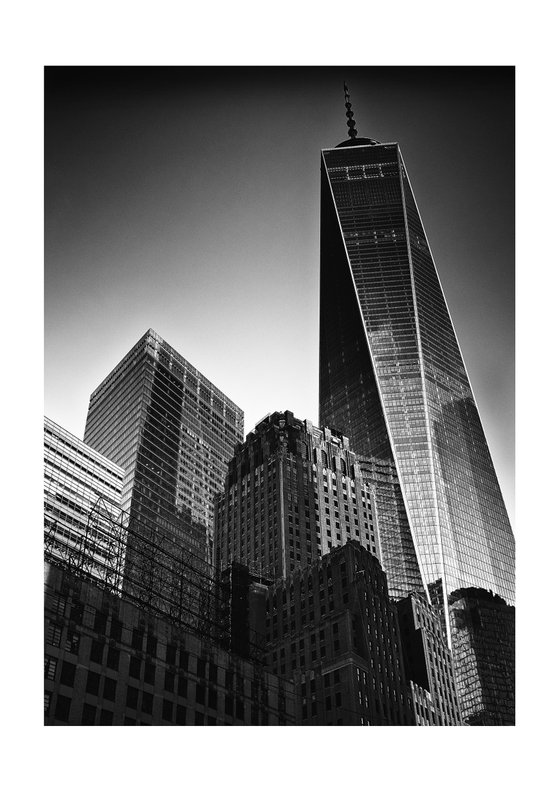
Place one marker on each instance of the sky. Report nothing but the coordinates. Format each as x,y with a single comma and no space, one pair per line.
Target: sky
187,200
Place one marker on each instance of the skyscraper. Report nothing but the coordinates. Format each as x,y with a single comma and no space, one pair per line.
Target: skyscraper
173,432
82,488
292,493
392,377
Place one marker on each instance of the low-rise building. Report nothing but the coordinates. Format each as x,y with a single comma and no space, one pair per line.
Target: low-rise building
109,662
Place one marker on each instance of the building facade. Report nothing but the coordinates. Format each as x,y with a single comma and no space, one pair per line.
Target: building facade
393,380
428,663
110,663
173,432
332,628
483,629
83,521
292,493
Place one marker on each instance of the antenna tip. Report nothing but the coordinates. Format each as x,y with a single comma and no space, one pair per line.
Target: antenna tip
352,131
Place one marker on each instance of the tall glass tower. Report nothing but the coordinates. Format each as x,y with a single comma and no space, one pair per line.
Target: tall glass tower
173,432
392,377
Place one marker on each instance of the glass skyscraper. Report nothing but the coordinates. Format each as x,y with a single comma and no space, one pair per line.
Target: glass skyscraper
392,378
173,432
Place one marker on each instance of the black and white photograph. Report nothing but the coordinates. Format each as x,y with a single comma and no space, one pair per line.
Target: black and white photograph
279,360
279,395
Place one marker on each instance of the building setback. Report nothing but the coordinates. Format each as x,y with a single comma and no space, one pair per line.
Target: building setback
393,380
81,489
109,662
483,629
173,432
333,630
292,493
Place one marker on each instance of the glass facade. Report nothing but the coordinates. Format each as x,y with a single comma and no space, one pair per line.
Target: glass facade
80,486
393,380
173,432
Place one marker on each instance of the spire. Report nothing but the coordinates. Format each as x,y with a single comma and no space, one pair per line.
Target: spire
352,132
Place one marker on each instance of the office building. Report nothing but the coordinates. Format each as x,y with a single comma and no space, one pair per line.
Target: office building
108,662
396,548
392,377
483,630
428,663
332,628
82,490
173,432
292,493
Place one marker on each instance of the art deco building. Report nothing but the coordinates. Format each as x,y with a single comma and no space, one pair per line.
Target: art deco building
173,432
82,490
292,492
392,377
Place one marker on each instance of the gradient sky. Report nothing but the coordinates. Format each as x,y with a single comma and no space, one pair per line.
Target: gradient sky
187,200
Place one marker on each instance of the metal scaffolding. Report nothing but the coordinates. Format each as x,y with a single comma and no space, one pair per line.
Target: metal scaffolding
150,565
142,563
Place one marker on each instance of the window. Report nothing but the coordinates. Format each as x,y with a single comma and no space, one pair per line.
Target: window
149,673
72,643
200,694
88,715
198,719
167,710
50,667
134,667
57,604
171,654
92,683
109,689
113,658
106,718
47,699
54,634
116,629
169,681
131,697
147,702
182,688
67,674
181,718
96,654
100,622
76,612
62,709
